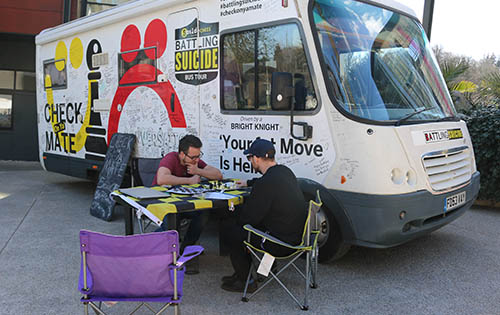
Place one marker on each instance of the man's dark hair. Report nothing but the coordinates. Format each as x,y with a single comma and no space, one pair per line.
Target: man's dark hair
189,141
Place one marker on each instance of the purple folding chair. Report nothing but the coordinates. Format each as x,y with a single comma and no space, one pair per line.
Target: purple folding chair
135,268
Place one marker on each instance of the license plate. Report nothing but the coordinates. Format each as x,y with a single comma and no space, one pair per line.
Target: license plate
454,201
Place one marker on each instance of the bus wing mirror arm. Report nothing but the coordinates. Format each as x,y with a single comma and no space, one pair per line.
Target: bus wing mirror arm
282,94
307,130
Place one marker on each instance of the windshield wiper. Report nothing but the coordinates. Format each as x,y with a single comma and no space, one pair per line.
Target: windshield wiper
398,123
449,118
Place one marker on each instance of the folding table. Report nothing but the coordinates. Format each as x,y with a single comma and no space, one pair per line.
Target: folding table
157,208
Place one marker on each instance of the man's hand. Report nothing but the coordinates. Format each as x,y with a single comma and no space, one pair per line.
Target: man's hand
195,179
193,169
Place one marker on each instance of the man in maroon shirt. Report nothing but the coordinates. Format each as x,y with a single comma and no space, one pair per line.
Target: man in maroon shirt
186,167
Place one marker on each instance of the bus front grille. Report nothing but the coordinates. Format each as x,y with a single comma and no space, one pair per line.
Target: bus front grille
449,168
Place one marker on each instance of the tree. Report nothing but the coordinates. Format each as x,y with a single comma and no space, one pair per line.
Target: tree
490,88
471,83
454,69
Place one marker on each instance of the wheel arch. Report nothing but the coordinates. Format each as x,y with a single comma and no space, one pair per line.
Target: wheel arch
343,220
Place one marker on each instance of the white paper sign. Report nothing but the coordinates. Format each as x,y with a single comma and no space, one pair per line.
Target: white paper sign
265,264
218,195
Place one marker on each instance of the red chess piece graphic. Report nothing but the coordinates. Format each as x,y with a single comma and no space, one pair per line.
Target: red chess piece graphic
155,36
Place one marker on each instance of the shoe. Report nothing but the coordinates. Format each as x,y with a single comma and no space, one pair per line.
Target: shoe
230,278
193,266
239,286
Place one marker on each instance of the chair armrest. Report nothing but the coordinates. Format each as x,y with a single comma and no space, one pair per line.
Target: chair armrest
189,253
268,237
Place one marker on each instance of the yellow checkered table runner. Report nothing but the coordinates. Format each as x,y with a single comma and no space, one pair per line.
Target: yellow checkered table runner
178,203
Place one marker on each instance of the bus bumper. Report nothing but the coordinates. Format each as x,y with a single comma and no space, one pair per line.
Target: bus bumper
377,220
82,168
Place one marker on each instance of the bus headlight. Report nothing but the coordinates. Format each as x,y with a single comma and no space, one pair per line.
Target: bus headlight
397,176
411,177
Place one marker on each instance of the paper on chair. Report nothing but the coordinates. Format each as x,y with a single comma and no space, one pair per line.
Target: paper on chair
265,264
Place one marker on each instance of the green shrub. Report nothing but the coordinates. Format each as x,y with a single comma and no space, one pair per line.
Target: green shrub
484,128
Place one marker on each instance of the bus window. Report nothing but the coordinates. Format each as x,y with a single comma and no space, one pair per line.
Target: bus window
249,60
54,73
142,66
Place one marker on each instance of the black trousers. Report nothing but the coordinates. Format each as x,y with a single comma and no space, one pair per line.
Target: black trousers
233,237
196,226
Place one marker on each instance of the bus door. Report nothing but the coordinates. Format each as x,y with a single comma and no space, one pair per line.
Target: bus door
185,60
267,91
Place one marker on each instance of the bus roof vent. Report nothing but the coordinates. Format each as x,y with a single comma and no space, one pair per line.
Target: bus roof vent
449,168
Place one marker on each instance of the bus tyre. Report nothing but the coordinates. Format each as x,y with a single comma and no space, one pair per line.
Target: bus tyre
331,245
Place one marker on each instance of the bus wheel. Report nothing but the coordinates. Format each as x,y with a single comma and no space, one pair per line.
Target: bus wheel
331,245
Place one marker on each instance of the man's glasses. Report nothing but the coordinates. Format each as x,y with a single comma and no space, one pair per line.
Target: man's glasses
249,157
196,157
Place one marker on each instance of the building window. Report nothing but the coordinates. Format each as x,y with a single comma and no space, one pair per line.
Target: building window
251,57
5,111
10,82
25,81
91,7
7,79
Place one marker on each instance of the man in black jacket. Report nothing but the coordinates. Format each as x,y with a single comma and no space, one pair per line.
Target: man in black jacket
276,205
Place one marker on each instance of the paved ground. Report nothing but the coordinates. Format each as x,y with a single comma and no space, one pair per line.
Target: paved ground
455,270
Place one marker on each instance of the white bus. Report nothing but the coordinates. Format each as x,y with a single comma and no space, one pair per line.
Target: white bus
349,92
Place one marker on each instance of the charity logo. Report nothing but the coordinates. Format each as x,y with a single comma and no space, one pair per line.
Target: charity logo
443,135
197,52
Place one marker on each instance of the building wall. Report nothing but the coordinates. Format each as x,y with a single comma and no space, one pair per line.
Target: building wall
33,16
17,52
20,21
29,17
20,141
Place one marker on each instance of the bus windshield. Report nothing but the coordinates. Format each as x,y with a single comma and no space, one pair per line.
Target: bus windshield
378,64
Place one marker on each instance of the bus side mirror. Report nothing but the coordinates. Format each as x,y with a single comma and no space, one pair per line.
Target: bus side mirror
282,91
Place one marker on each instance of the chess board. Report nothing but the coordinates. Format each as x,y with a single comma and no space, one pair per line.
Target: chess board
220,185
212,186
180,190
